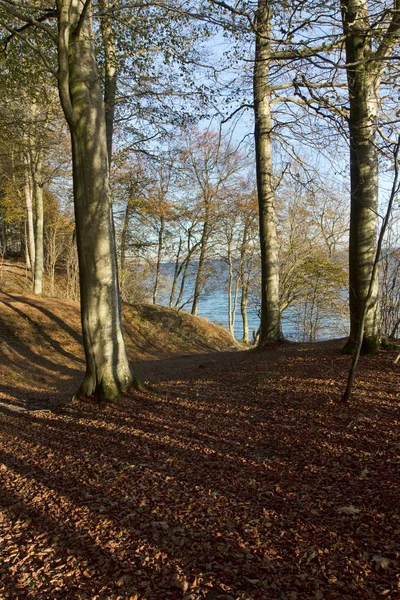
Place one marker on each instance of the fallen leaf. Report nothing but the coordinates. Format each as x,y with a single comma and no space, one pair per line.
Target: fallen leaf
348,510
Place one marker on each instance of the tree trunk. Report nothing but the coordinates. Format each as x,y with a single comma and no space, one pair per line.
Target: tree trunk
200,268
3,238
107,368
270,327
243,311
27,256
231,317
244,283
39,220
159,256
177,271
124,235
186,263
28,189
363,86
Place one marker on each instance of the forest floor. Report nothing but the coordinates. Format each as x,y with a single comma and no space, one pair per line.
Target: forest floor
239,475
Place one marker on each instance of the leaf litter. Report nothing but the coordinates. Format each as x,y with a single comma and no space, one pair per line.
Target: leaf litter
239,480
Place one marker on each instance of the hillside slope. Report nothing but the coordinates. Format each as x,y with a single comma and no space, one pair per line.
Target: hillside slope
41,354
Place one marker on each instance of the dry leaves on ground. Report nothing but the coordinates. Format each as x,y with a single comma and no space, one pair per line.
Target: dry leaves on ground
238,478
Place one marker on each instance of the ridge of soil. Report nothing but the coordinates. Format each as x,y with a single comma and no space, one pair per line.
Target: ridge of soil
238,477
41,352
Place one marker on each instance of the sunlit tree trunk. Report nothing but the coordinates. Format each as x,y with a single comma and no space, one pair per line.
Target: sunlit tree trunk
159,256
231,321
244,284
363,83
39,240
202,257
364,70
270,327
28,192
107,368
177,270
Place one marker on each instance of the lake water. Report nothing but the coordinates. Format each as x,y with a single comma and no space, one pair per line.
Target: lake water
213,305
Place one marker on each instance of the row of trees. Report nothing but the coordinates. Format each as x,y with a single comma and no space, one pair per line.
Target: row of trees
320,72
160,212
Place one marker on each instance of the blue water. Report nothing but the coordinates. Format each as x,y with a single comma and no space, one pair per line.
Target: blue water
213,305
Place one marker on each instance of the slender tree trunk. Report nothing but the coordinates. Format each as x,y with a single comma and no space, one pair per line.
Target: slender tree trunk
39,241
124,235
28,189
243,311
244,283
110,70
3,238
231,323
25,238
107,368
159,256
200,268
176,275
270,328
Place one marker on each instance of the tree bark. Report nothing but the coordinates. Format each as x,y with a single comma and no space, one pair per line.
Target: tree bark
159,256
270,327
177,271
30,246
39,241
244,284
363,85
364,70
107,368
200,268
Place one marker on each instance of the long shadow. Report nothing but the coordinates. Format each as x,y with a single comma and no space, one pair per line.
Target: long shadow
146,455
26,353
17,401
53,343
48,313
162,489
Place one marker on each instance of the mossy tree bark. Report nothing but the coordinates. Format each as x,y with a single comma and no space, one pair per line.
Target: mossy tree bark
107,368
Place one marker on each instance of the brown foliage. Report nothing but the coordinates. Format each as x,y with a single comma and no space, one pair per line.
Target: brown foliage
239,478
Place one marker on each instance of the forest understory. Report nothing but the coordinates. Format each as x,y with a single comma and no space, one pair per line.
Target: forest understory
238,475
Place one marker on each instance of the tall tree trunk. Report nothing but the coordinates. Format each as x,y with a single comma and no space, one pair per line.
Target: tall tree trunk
27,256
107,368
231,305
159,256
244,283
3,237
270,327
243,311
39,221
365,66
28,190
124,235
200,268
110,69
186,264
363,85
176,275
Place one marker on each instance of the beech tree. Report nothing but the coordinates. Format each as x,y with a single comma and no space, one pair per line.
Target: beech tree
208,163
107,368
282,37
369,42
